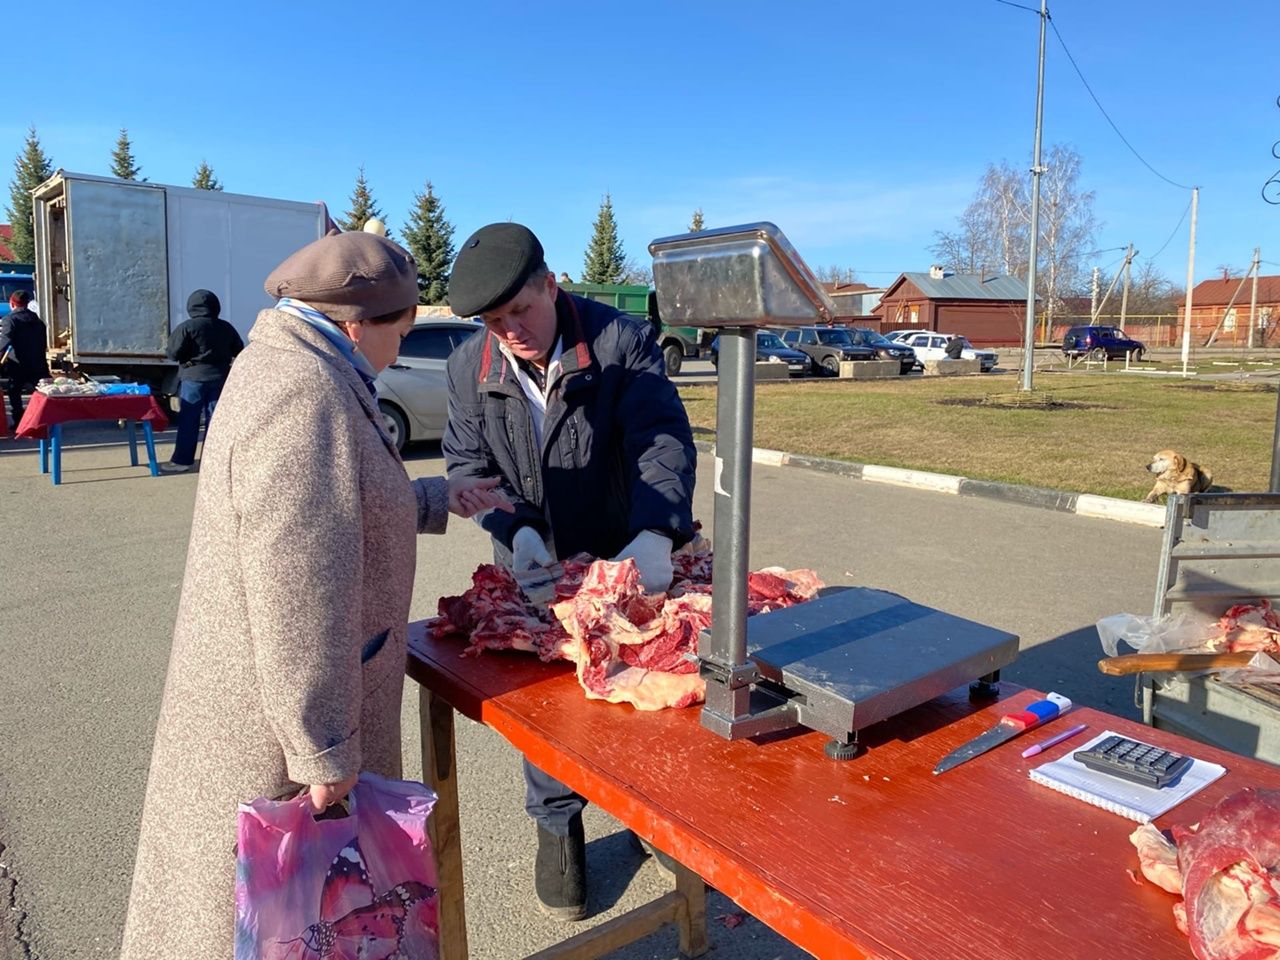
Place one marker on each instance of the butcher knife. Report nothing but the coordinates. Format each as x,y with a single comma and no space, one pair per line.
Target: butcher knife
1010,726
539,585
1165,662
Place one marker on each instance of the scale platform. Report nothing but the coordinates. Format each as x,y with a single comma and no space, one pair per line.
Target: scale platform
855,656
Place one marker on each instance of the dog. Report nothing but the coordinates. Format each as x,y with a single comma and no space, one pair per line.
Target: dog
1176,474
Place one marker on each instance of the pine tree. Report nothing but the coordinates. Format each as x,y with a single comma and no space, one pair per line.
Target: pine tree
695,225
204,178
429,237
605,260
31,168
363,206
122,160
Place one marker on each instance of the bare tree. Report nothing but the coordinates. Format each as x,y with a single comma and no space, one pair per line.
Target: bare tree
1151,292
637,273
993,233
834,274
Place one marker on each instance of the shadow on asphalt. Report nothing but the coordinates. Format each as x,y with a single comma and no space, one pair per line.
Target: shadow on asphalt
1056,666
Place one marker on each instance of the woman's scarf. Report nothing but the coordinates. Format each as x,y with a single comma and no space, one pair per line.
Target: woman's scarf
333,333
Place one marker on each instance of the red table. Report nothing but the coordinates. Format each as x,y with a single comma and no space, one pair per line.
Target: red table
874,857
45,415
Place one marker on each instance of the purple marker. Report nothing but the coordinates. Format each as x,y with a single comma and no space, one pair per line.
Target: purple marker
1032,751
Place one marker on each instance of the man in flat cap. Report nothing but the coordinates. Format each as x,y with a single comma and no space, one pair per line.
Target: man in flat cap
567,400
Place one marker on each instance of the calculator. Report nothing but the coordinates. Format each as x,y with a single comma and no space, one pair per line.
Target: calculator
1134,761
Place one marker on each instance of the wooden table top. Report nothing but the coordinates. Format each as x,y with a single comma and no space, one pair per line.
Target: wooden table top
873,857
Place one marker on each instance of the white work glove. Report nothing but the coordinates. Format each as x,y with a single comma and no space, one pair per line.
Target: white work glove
529,556
652,554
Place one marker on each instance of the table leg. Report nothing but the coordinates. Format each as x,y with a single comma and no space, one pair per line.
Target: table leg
132,427
150,437
44,456
55,444
691,919
439,770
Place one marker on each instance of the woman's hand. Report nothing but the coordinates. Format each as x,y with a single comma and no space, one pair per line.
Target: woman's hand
471,495
324,795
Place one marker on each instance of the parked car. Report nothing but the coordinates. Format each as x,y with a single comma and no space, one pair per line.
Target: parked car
771,349
826,347
413,393
1099,341
885,348
930,345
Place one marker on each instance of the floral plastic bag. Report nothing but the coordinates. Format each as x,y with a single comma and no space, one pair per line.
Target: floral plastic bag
360,886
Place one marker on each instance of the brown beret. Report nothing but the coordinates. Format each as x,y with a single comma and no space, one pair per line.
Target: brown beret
348,276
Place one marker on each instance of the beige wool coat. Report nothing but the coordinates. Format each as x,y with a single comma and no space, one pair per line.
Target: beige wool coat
289,650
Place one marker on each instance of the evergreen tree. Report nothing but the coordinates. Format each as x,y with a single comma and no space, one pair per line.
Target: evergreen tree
695,225
31,168
204,178
122,160
429,237
363,206
605,261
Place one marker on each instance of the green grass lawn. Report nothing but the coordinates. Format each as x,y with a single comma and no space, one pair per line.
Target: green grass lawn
1096,437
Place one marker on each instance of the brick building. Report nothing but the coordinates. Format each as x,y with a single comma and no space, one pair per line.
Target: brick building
1209,310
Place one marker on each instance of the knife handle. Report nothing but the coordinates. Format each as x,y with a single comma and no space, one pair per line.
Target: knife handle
1042,711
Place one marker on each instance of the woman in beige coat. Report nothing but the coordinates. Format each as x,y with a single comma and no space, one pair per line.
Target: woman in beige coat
289,649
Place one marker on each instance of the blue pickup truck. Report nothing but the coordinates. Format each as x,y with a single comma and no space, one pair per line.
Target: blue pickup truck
11,283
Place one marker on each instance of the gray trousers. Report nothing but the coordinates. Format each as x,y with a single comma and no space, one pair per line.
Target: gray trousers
551,804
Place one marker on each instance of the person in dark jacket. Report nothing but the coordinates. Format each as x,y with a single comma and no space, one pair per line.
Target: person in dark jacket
566,399
22,351
203,347
954,349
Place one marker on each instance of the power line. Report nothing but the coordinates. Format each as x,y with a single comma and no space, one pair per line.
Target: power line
1132,150
1007,3
1173,232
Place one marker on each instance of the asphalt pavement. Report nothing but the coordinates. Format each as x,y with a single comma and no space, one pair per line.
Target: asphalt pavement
93,571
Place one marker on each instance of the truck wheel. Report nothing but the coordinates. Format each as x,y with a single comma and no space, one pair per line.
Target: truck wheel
673,357
397,426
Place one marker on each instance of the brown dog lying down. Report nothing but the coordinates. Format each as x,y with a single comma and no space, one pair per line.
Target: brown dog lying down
1176,474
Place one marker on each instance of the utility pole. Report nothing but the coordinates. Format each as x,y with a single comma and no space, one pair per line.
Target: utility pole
1093,297
1191,276
1253,297
1029,339
1124,296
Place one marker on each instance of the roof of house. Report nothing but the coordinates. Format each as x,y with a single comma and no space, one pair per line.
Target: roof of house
1208,293
965,286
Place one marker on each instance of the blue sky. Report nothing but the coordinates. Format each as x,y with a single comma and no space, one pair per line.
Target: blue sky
858,128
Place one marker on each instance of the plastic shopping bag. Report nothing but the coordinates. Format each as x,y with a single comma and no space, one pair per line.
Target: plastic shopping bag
360,886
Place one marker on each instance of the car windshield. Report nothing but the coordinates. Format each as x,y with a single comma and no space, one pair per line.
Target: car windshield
837,338
769,340
872,338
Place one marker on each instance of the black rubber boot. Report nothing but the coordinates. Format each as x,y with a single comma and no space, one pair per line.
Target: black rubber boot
560,873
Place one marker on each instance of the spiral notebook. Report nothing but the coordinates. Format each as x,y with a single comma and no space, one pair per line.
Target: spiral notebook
1133,800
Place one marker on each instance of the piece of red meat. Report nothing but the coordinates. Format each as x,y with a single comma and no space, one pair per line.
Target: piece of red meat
1248,626
1231,878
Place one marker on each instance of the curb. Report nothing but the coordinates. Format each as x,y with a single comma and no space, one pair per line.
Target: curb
1082,504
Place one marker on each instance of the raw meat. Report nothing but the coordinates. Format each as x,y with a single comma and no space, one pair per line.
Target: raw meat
1248,626
626,646
1228,872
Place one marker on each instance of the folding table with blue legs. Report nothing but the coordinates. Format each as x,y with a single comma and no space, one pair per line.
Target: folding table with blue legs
54,444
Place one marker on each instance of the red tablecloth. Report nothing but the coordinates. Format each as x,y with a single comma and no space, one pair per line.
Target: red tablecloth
45,411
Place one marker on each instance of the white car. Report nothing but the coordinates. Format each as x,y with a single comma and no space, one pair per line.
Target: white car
929,345
413,393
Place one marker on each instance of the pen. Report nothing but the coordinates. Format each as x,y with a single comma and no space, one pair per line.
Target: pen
1032,751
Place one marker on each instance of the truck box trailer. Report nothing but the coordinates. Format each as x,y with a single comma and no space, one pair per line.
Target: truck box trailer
117,259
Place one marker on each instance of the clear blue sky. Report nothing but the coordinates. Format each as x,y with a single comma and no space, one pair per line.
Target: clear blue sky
858,128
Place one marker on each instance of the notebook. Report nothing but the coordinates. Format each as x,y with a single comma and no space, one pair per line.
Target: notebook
1133,800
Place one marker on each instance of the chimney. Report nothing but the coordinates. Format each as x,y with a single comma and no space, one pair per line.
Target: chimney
936,272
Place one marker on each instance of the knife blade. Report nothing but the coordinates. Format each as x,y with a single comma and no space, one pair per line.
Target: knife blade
539,585
1010,726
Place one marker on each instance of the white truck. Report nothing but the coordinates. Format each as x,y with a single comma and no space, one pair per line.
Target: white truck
117,259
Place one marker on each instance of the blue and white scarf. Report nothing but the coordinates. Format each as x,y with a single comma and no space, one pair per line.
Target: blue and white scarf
333,333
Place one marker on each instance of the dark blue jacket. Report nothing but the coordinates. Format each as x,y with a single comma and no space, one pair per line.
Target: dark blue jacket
617,454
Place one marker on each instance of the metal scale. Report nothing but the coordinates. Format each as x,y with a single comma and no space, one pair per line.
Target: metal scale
852,656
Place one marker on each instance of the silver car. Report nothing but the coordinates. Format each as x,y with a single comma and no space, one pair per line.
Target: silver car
413,393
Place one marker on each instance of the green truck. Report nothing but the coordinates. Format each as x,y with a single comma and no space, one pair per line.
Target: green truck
677,343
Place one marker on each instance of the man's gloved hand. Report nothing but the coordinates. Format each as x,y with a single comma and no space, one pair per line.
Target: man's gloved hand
529,562
652,554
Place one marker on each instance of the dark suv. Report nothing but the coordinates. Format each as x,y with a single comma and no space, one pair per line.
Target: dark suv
827,346
1098,342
